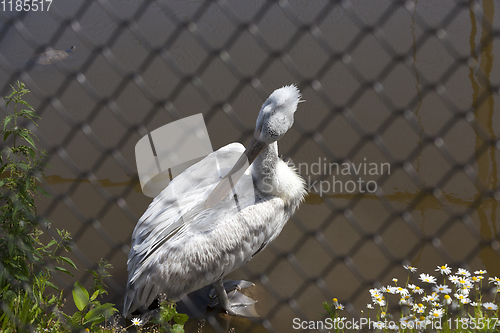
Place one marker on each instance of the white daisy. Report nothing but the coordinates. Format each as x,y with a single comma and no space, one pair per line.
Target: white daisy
410,268
379,301
490,306
419,308
427,278
462,298
422,323
464,281
477,278
441,289
436,313
454,279
386,289
136,321
480,272
369,306
465,301
378,324
418,290
407,321
392,290
463,272
375,292
494,280
447,299
445,270
402,291
384,315
431,298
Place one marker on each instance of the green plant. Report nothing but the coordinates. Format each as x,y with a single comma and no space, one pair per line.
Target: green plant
91,312
24,272
170,319
29,300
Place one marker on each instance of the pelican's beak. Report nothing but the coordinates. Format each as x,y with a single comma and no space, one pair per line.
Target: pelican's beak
227,183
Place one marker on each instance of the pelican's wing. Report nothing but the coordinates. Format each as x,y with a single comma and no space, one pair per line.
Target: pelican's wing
180,204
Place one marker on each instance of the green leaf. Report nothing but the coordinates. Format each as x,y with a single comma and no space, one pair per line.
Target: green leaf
7,120
166,313
31,152
27,137
64,270
80,296
50,284
181,318
69,261
25,103
41,190
6,135
51,243
99,313
77,318
176,328
94,295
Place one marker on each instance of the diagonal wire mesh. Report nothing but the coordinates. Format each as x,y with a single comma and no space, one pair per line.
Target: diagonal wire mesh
443,182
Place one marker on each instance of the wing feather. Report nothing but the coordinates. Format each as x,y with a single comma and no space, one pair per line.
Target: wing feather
180,209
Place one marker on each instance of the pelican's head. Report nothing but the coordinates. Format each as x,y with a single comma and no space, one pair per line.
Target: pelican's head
274,120
276,115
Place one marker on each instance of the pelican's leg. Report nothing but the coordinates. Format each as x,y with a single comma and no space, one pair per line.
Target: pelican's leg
235,309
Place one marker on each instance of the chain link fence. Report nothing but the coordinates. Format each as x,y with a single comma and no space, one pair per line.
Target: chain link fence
411,84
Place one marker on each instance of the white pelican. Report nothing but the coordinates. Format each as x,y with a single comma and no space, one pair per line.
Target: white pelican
194,237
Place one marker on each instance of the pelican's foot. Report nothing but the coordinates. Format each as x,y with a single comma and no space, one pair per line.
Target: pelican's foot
242,309
229,287
232,301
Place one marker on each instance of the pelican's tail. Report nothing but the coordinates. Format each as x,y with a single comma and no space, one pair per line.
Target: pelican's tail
139,297
128,306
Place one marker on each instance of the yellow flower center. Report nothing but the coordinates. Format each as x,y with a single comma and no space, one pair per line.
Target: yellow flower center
417,288
422,318
490,308
335,300
436,314
443,267
447,296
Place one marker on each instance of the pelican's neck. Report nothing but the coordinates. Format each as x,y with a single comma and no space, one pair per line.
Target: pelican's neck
265,165
273,177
